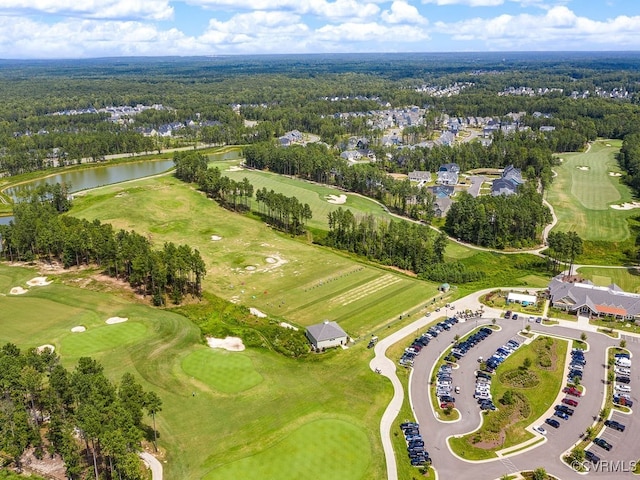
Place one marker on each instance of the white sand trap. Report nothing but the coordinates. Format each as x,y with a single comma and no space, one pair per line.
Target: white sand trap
18,291
607,144
233,344
270,260
113,320
38,282
615,174
582,167
626,206
42,348
235,168
257,313
274,261
250,268
288,325
216,238
336,199
79,329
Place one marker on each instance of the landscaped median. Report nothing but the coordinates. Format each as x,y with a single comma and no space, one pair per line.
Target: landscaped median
523,388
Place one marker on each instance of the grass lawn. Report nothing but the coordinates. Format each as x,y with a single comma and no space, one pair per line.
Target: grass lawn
256,266
535,389
581,195
282,414
626,278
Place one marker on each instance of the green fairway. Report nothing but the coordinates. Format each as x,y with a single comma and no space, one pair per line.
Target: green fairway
316,195
329,448
250,405
100,339
583,191
626,278
256,266
227,372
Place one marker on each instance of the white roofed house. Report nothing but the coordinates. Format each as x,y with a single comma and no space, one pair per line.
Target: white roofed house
448,174
326,335
419,176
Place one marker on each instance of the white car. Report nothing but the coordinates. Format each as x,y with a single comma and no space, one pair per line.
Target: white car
540,430
623,371
623,388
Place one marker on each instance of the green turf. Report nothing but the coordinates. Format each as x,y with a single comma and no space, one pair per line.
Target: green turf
582,198
306,285
626,278
100,339
227,372
325,449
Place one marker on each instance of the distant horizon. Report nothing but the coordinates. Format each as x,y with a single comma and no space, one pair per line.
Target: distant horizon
68,29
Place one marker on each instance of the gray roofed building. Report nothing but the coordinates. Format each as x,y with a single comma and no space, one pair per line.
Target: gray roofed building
419,176
326,335
448,174
585,298
441,206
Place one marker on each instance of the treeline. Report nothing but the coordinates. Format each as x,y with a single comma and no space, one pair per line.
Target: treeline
563,247
286,213
95,426
38,231
315,162
629,160
406,245
499,221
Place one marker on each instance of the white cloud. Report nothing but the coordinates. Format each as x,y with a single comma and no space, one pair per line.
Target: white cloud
111,9
402,12
557,29
468,3
369,32
338,9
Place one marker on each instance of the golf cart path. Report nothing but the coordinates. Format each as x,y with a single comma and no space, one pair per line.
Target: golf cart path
154,464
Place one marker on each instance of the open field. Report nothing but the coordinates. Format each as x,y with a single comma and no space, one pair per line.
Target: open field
254,265
278,416
583,191
626,278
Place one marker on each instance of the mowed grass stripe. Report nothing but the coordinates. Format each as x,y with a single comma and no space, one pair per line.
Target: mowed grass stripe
227,372
322,450
368,289
102,338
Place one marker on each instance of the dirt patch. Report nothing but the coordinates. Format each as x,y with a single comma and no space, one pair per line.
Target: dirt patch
38,282
337,199
288,325
18,291
114,320
51,468
232,344
79,329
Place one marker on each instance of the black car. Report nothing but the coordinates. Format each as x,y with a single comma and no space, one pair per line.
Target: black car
409,425
553,422
625,380
592,457
615,425
602,443
565,409
447,399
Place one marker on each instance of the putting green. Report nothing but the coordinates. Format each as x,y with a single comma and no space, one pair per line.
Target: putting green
102,338
323,449
227,372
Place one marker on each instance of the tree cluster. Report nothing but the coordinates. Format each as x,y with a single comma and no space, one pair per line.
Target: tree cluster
39,231
564,247
406,245
286,213
499,221
93,424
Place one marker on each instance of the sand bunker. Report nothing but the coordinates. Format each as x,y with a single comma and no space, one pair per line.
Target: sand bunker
626,206
42,348
215,238
336,199
250,268
79,329
582,167
274,261
615,174
18,291
270,260
235,168
38,282
288,325
257,313
607,144
112,320
233,344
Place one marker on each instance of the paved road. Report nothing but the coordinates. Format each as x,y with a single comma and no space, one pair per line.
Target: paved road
547,454
154,464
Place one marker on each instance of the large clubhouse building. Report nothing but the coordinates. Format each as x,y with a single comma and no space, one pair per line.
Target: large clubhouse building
585,298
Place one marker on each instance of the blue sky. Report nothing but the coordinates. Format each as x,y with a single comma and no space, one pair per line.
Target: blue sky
99,28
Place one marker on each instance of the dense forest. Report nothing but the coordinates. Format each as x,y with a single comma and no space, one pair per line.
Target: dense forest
95,426
40,231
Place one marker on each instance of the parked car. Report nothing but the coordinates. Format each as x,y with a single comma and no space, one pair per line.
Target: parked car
602,443
592,457
561,414
514,316
572,391
622,388
615,425
507,314
570,401
564,409
625,380
553,422
622,371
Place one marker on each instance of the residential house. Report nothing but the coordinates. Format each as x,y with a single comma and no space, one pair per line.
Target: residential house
585,298
509,182
448,174
326,335
441,206
419,176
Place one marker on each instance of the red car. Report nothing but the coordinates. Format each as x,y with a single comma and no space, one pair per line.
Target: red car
570,401
572,391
